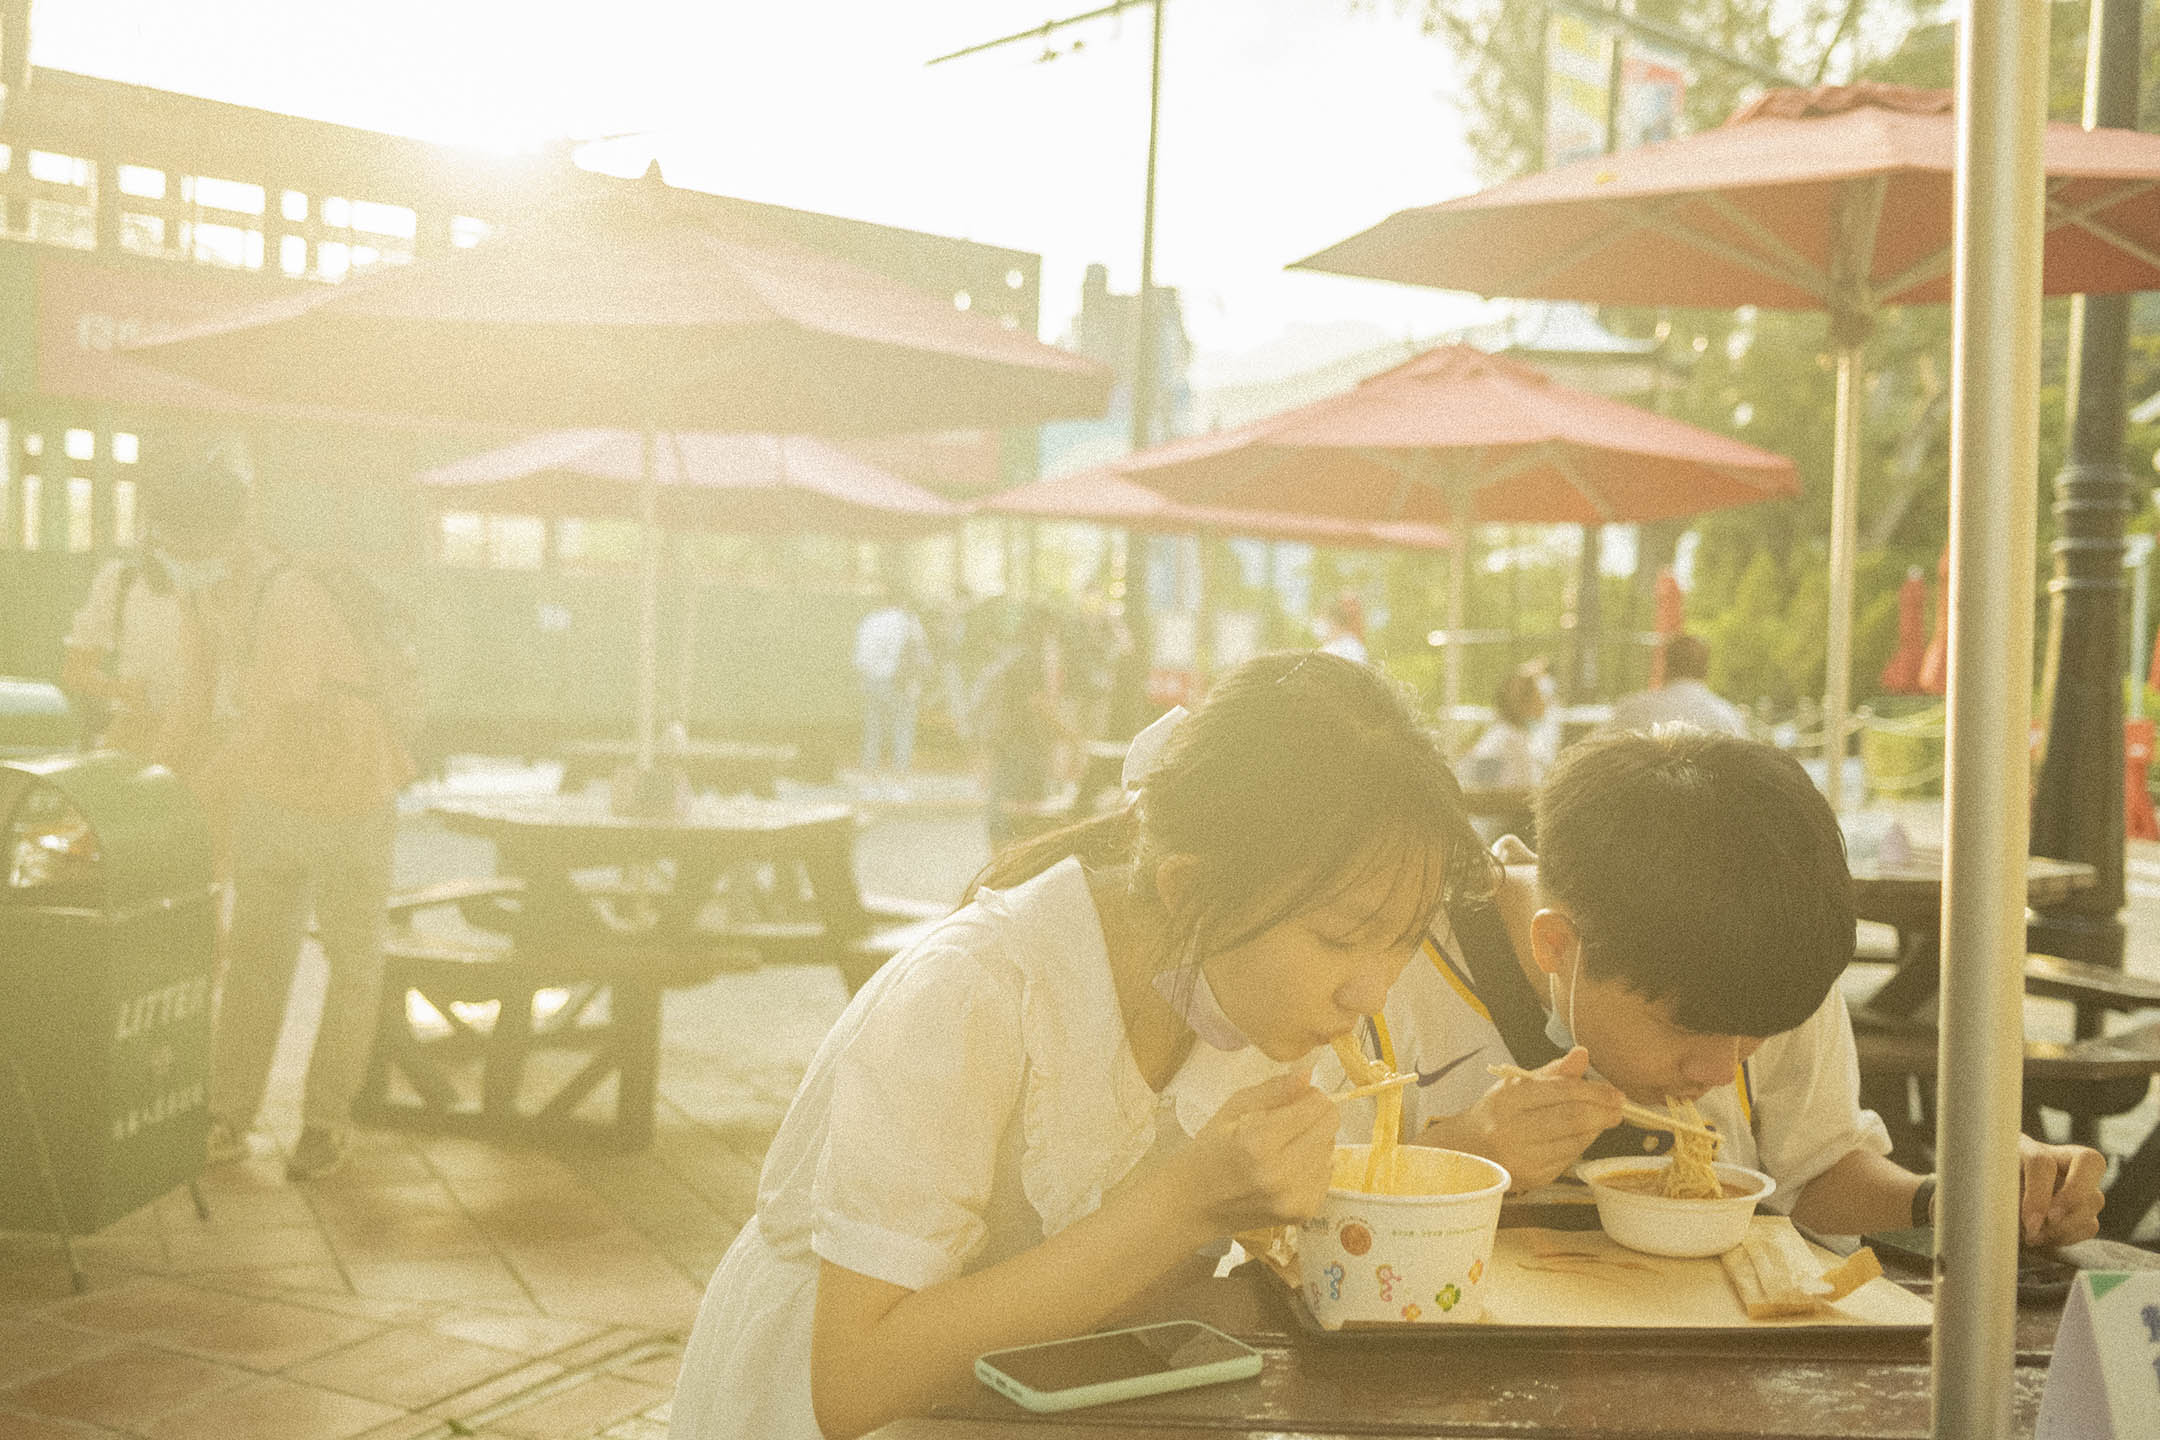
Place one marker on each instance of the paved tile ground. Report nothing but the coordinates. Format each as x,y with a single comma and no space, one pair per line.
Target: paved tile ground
440,1287
437,1287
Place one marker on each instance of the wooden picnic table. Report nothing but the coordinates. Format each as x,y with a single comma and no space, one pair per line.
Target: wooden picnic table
730,767
1908,898
1792,1386
668,866
591,902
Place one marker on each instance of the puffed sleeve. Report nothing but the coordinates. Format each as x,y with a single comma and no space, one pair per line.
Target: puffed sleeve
921,1096
1807,1101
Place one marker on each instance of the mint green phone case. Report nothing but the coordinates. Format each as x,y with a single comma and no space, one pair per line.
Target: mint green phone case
1241,1366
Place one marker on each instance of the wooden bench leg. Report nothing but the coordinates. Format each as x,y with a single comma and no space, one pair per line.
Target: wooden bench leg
503,1069
635,1007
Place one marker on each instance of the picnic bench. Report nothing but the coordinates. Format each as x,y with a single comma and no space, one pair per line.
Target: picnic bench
2093,1075
473,999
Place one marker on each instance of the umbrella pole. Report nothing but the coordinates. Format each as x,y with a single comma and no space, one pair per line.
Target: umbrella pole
648,669
1994,447
1844,541
1458,594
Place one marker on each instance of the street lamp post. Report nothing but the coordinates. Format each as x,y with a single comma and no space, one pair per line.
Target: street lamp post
2078,803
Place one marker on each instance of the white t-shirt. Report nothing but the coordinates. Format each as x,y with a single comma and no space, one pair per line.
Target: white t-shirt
976,1096
1347,645
1801,1113
883,641
144,637
1681,702
1502,759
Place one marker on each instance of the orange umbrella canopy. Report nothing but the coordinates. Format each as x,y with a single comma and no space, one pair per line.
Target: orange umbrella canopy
746,484
1102,497
644,312
1457,434
1835,198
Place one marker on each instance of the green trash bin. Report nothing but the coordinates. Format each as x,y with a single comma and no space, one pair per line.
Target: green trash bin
107,943
35,719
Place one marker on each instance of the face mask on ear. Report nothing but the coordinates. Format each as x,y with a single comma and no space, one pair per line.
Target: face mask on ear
1560,1029
1188,991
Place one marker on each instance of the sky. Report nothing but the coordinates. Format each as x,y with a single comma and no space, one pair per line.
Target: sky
1286,124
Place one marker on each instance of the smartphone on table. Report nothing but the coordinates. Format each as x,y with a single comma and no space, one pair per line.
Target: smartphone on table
1117,1365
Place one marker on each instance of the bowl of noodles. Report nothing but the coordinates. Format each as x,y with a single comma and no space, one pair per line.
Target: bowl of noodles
1404,1238
1634,1207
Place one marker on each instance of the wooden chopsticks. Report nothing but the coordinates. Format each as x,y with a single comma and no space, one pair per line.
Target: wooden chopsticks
1373,1088
1639,1115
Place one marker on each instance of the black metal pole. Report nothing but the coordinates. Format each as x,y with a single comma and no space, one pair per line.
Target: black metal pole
2078,801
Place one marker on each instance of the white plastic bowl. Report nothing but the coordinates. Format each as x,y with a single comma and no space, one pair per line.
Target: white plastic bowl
1418,1258
1682,1228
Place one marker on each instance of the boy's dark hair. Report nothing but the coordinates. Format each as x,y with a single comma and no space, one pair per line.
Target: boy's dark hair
1700,869
1281,784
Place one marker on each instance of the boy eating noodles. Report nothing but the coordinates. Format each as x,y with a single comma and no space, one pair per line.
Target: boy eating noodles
1679,934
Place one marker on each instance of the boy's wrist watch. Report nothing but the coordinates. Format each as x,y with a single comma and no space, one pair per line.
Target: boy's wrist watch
1923,1202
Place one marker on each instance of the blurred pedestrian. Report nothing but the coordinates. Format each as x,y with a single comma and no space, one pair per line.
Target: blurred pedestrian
1020,721
892,660
307,761
1504,758
1342,631
1685,698
138,636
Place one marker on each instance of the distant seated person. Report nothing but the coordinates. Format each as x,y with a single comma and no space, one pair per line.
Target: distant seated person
1504,757
1684,699
1678,936
1342,632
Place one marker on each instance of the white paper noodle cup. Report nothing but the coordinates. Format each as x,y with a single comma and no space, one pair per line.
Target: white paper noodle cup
1423,1258
1683,1228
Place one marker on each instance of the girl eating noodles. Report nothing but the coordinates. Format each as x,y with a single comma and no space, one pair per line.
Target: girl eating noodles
1096,1069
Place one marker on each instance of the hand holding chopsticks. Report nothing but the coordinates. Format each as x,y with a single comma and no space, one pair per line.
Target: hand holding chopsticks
1639,1115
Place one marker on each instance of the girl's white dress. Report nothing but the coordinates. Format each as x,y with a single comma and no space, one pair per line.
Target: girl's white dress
976,1096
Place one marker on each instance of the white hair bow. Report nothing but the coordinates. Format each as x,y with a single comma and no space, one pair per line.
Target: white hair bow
1147,746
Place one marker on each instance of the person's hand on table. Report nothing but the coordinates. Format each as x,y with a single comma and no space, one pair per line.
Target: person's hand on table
2059,1192
1536,1126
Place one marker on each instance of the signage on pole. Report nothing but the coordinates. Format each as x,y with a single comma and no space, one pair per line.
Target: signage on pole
1578,84
1653,88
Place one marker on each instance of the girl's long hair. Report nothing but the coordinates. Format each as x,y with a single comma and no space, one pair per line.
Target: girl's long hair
1299,775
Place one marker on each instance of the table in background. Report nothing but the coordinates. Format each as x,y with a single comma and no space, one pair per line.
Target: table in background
1319,1390
1908,898
728,767
603,904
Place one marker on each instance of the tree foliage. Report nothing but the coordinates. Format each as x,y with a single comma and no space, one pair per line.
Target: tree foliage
1761,595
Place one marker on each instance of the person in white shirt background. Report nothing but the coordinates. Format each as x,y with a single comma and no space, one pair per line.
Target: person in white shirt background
1685,699
136,644
1096,1071
892,660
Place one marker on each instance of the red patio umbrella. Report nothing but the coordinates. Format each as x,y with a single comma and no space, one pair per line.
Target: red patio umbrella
1836,198
1901,676
1671,620
1460,435
641,309
744,484
1102,497
638,308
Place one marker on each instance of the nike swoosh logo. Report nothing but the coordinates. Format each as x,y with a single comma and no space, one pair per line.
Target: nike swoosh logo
1427,1077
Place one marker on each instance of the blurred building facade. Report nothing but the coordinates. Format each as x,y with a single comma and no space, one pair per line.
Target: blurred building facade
125,208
